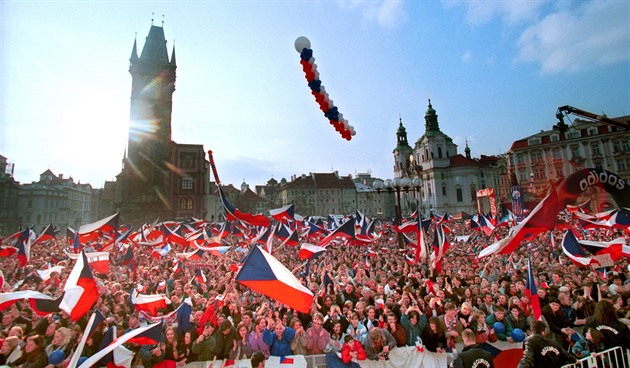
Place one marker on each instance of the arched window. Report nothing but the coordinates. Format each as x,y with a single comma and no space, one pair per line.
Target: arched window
186,204
439,152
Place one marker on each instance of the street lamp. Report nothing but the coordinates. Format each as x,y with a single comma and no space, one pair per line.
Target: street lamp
395,185
416,183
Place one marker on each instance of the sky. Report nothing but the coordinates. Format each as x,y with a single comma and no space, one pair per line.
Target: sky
495,71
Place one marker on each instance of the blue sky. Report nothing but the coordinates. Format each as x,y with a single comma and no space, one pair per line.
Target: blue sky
495,71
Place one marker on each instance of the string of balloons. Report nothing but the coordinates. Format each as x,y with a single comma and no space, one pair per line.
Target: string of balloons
336,119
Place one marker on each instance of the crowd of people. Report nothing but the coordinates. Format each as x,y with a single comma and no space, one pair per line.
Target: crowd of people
365,304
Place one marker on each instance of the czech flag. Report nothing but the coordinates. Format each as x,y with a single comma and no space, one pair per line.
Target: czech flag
232,214
345,230
201,278
99,262
542,218
149,335
265,274
532,292
49,233
283,214
80,292
308,251
149,303
574,250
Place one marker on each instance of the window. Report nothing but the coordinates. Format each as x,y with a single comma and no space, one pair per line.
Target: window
554,138
573,135
459,194
439,152
592,131
187,183
557,154
536,156
186,204
534,141
575,152
444,190
188,160
595,151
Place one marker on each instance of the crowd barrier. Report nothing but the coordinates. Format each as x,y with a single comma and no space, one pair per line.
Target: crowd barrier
506,355
616,357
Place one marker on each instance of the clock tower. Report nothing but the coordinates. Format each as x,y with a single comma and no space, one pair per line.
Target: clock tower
143,187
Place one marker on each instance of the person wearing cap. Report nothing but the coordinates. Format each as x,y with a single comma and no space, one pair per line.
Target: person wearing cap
472,355
540,351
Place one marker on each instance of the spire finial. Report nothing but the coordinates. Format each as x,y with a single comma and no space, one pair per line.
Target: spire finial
152,16
162,20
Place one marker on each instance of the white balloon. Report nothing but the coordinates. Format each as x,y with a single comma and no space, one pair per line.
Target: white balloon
302,43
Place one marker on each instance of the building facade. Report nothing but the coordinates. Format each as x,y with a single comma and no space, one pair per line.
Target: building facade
547,157
447,181
56,200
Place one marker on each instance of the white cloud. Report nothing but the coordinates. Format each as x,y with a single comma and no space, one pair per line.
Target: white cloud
386,13
479,12
571,40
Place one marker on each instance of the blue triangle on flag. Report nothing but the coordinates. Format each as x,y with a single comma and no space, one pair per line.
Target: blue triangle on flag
255,267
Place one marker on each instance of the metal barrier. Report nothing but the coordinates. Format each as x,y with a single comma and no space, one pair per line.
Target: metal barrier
616,357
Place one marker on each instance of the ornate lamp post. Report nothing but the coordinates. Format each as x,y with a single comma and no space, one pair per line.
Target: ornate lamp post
395,185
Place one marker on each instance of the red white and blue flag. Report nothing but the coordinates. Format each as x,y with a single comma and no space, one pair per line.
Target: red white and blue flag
149,335
233,214
283,214
532,292
308,251
265,274
80,291
149,303
201,277
572,248
345,231
49,233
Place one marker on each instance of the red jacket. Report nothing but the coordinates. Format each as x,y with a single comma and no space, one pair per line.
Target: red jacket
356,346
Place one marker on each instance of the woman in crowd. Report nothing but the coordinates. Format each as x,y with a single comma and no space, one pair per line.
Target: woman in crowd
433,336
317,336
62,340
335,342
34,355
464,315
242,348
517,318
298,344
171,348
10,351
187,355
256,336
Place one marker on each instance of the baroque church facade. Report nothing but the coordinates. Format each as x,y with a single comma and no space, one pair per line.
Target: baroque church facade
447,181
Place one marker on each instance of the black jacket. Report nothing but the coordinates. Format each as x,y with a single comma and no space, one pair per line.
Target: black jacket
474,356
540,351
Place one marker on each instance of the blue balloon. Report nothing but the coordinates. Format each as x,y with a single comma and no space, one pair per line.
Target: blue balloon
498,327
518,335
